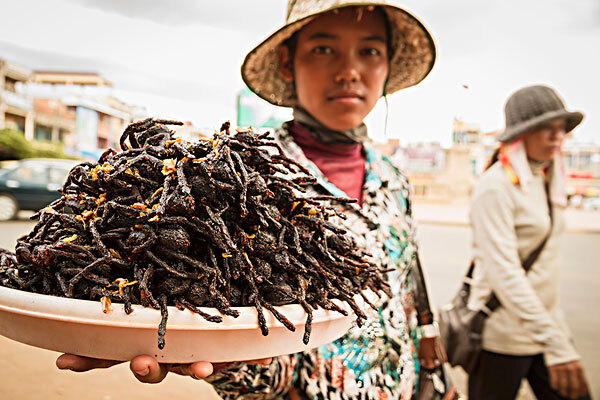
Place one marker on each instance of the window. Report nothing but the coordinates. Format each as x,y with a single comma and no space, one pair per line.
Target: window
420,190
9,84
30,172
102,143
15,122
43,133
585,160
62,134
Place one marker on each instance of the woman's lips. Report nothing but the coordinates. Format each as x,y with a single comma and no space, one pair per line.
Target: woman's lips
346,98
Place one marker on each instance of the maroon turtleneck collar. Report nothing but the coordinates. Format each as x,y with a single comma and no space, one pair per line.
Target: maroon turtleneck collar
342,164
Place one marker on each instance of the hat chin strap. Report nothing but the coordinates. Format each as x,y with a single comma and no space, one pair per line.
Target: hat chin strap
387,107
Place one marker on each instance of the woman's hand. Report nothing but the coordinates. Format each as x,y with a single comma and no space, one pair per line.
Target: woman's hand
431,353
146,369
568,379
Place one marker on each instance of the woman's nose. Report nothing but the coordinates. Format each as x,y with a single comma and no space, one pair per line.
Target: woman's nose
348,72
558,134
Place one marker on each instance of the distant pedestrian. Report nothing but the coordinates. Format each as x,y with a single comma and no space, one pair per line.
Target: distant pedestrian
517,207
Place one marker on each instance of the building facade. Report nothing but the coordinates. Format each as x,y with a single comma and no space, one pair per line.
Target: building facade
79,111
76,110
448,174
16,107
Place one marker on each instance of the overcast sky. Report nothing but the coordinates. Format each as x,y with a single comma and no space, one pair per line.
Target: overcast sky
181,58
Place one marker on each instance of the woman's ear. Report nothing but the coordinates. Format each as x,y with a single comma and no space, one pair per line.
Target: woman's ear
285,64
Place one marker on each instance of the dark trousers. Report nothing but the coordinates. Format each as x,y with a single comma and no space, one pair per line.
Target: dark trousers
499,376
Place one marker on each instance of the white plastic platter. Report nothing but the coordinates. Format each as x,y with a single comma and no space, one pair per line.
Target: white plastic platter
81,327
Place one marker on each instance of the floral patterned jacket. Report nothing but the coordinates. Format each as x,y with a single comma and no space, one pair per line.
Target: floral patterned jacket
377,360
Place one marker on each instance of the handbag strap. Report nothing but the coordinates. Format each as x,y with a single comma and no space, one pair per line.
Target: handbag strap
493,303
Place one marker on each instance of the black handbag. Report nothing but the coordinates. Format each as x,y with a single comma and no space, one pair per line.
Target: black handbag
461,328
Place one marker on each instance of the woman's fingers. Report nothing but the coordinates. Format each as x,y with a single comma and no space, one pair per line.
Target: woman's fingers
553,376
440,352
82,364
578,382
563,382
583,385
429,353
147,370
568,379
572,384
204,369
198,370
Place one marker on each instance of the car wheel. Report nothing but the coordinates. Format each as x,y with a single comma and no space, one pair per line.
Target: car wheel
8,207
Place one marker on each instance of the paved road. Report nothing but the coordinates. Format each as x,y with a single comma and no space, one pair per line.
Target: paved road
445,253
29,373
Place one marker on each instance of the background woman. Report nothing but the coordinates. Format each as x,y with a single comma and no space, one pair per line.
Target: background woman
527,336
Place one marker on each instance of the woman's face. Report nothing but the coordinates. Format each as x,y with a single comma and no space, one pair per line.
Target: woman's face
544,142
340,66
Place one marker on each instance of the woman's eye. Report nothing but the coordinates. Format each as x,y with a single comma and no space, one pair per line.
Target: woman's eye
323,50
371,52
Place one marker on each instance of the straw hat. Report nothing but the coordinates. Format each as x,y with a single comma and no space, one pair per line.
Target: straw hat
413,58
532,106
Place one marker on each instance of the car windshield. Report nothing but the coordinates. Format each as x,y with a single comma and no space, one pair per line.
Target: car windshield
6,166
58,174
30,172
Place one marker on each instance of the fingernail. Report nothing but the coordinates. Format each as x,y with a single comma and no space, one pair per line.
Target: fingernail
143,372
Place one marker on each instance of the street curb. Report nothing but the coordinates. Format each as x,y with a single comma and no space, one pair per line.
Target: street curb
443,223
459,224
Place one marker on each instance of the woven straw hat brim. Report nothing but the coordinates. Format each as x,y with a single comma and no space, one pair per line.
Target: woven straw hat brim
572,118
413,58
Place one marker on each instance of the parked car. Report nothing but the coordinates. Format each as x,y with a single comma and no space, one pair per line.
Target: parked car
31,184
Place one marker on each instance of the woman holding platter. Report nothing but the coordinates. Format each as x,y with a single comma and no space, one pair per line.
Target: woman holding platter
331,62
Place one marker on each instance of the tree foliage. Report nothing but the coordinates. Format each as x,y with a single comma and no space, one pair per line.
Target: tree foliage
14,146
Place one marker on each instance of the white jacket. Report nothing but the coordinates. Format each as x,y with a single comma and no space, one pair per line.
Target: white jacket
509,222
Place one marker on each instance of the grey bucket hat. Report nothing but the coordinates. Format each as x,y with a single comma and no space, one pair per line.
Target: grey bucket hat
532,106
411,62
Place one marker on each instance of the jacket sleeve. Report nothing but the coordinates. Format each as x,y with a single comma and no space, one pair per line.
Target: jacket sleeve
492,217
247,381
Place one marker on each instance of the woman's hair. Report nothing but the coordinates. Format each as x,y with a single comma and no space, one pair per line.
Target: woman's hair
493,158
